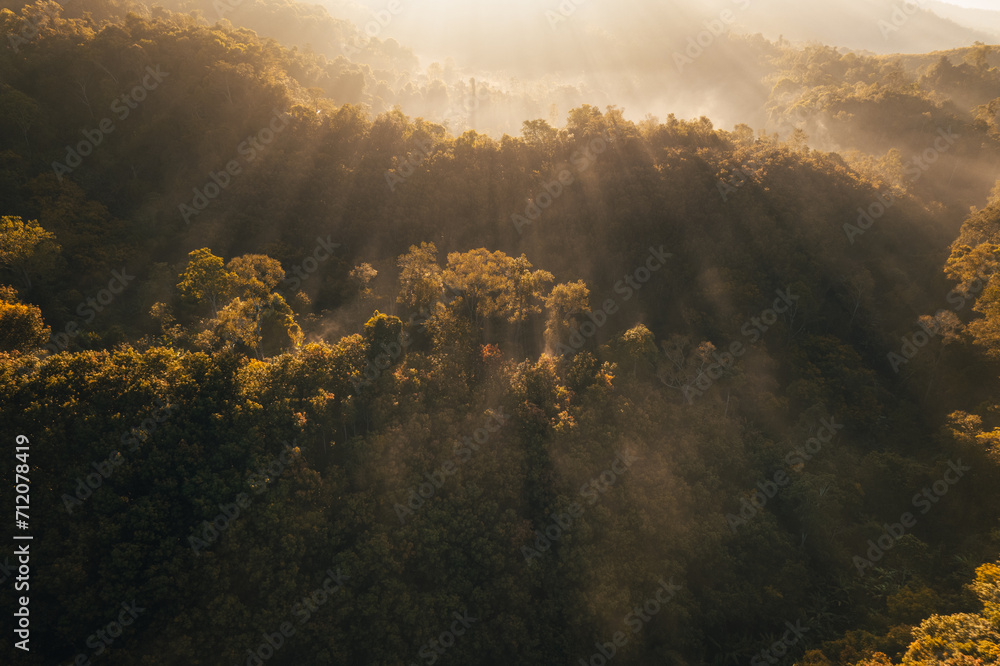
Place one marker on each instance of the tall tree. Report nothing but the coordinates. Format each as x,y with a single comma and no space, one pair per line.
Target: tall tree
26,248
206,280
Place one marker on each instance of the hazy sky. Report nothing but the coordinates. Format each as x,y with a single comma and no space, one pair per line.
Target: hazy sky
977,4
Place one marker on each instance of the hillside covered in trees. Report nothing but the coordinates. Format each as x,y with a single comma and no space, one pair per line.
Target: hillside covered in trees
304,368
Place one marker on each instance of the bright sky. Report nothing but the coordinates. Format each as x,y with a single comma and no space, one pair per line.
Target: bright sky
976,4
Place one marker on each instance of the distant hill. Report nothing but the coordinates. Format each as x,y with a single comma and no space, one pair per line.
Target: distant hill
980,20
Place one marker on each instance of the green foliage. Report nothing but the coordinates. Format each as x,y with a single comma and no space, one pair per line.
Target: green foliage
26,248
206,280
21,325
371,415
420,281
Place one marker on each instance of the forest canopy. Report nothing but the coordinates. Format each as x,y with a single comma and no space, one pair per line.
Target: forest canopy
310,369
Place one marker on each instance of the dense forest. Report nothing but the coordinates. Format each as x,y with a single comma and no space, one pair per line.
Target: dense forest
305,370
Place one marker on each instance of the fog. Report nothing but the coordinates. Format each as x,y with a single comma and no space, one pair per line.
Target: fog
538,60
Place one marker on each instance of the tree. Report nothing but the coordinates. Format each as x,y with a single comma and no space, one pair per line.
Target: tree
494,285
539,133
528,289
564,304
21,326
255,276
26,248
245,321
18,109
362,276
962,638
206,280
420,280
638,344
